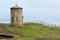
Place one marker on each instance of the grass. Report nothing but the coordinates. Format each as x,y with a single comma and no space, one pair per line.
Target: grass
31,32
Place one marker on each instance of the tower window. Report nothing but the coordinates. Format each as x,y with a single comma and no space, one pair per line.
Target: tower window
16,19
12,19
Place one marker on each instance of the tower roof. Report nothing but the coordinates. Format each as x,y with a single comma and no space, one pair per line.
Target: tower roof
16,6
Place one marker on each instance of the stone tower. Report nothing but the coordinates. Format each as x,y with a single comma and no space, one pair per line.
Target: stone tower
16,16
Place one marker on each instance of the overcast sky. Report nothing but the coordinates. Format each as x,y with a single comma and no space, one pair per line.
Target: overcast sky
33,10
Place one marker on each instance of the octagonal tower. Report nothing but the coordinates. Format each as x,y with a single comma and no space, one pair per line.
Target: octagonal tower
16,15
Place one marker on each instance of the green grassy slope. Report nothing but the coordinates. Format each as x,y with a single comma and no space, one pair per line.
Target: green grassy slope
30,32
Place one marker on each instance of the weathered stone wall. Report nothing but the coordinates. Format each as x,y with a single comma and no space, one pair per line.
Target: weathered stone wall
16,12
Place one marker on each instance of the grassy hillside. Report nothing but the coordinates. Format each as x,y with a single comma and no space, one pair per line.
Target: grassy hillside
31,32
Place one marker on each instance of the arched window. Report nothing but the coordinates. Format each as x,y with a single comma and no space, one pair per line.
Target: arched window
12,19
16,19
